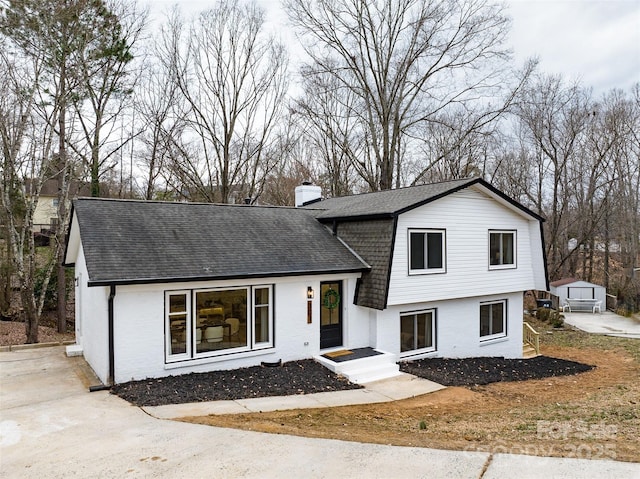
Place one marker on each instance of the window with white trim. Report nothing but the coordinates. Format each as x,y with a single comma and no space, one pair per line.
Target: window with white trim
177,305
426,251
502,249
417,332
210,322
493,320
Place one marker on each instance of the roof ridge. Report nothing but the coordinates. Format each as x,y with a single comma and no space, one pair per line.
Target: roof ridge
167,202
471,178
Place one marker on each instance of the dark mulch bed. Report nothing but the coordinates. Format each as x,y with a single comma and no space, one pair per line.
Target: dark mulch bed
476,371
307,376
296,377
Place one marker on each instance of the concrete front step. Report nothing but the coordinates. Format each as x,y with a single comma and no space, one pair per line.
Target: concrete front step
364,370
377,373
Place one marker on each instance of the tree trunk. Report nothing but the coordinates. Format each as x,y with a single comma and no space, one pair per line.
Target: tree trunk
30,312
62,206
95,159
5,277
607,239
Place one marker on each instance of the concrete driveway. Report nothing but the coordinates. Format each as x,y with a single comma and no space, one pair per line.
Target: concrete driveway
51,427
607,323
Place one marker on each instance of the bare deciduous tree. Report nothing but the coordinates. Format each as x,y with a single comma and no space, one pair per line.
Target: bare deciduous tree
336,136
233,77
106,77
573,158
73,41
162,112
553,118
25,141
407,61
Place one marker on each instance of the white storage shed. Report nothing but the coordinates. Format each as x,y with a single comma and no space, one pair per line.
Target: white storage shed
576,289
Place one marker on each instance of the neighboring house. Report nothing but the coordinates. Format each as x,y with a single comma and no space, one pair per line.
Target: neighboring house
172,288
576,289
45,216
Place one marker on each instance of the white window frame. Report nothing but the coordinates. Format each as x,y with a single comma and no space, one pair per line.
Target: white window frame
505,315
429,349
188,324
263,344
191,353
443,252
515,250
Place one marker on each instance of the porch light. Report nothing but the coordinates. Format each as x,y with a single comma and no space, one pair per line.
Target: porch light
309,292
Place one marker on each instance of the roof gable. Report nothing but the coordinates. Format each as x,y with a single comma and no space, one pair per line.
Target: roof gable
128,242
577,283
370,219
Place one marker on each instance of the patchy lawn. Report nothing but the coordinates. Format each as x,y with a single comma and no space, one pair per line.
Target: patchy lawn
594,414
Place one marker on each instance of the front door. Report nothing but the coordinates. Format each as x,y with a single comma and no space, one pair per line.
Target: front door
330,314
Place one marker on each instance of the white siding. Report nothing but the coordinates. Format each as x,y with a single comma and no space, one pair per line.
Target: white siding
457,328
139,328
45,210
537,257
92,320
467,216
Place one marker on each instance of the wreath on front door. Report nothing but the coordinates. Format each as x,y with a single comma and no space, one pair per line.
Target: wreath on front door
331,299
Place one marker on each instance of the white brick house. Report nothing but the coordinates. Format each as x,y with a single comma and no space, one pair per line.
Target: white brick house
432,270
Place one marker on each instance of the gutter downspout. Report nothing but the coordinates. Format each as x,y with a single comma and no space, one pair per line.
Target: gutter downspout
112,295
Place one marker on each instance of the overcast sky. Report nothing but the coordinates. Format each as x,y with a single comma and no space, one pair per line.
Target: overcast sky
594,41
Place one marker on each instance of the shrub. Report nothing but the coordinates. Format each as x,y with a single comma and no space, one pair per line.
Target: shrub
557,320
543,314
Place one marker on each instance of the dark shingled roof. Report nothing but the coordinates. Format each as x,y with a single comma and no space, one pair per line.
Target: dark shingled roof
386,203
373,241
128,242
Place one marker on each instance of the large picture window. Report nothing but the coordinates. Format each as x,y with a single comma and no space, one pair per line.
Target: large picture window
502,249
220,321
493,320
426,251
417,332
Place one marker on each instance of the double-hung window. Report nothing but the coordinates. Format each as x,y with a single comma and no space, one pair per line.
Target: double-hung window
427,251
493,319
417,332
211,322
502,249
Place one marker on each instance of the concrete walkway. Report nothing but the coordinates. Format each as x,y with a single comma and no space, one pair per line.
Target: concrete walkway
51,427
607,323
393,389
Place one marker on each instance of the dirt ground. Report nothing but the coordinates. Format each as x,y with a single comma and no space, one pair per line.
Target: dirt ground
12,333
593,415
